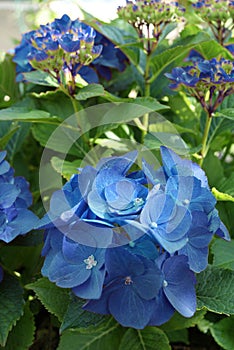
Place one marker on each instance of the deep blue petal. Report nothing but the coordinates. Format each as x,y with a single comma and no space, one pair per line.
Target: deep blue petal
162,310
129,309
120,262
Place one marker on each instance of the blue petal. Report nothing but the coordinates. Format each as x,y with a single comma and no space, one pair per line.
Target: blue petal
147,286
162,311
180,289
120,262
89,235
8,195
129,309
65,275
75,253
174,165
92,288
24,222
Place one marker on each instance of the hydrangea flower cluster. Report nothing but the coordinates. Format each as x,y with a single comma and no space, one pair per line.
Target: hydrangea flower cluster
130,241
205,78
15,198
218,14
65,48
142,14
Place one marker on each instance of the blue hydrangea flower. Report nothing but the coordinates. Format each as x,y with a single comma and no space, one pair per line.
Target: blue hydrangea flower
69,46
73,265
166,221
61,45
133,283
116,195
15,198
174,165
130,242
213,76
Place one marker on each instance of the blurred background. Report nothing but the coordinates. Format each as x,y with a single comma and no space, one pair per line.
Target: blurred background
17,17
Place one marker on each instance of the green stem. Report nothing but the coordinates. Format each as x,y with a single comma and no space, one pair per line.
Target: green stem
145,121
204,149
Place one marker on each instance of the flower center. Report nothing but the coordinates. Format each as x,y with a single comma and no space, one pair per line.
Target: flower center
128,281
186,201
90,262
153,224
165,284
138,201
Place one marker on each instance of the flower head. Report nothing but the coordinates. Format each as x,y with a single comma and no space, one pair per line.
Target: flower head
128,241
213,77
67,47
61,45
216,11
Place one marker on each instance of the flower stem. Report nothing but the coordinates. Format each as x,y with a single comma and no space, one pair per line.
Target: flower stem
145,121
204,149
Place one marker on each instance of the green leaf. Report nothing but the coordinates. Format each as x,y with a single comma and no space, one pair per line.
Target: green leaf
91,90
215,290
24,115
64,139
9,90
11,306
54,299
7,137
178,322
226,185
22,335
220,196
222,332
211,49
218,126
179,336
212,162
40,78
148,102
150,338
65,168
76,317
54,102
126,112
17,140
223,254
164,59
105,337
227,113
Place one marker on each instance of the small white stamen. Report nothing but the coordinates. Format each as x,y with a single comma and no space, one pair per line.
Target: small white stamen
165,284
186,201
128,281
153,224
90,262
138,201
